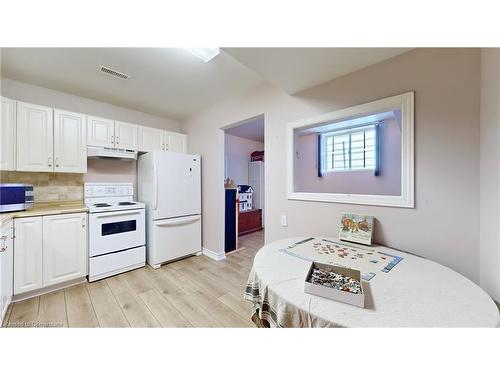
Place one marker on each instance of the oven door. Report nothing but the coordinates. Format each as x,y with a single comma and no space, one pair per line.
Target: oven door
115,231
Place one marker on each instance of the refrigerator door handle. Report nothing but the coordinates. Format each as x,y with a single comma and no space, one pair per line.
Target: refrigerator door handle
155,186
172,222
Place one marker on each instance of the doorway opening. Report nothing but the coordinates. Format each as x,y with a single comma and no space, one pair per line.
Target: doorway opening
244,188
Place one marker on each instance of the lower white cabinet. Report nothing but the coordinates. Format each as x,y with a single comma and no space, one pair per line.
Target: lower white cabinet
28,254
49,250
6,267
64,248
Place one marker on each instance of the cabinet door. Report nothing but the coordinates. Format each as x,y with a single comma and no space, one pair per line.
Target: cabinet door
28,254
6,268
35,134
70,142
64,248
151,139
8,135
100,132
125,136
176,142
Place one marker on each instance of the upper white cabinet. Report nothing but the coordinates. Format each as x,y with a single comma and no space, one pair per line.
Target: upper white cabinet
8,135
34,138
100,132
70,142
125,135
64,248
151,139
109,133
28,254
175,142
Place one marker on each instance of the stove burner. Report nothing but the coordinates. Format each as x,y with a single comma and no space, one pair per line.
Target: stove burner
102,205
125,203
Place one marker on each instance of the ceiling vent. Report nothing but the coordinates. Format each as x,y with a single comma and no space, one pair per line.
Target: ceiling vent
113,73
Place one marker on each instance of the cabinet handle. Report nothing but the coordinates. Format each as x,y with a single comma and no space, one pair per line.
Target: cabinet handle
4,247
50,161
83,222
57,162
117,140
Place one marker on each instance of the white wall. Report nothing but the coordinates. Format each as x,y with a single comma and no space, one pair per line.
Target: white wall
57,99
444,226
237,156
490,172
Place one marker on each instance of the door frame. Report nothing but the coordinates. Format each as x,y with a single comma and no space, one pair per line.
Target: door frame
222,170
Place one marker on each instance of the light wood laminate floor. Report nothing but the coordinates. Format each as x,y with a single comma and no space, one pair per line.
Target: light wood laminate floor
193,292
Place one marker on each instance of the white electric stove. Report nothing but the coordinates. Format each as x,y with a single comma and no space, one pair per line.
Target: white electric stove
117,229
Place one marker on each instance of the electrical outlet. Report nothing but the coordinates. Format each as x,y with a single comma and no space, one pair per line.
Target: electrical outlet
284,221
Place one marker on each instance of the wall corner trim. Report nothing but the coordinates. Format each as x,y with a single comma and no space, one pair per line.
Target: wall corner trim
213,255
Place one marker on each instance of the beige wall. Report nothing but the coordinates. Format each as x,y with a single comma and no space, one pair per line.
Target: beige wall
444,226
490,176
99,170
237,156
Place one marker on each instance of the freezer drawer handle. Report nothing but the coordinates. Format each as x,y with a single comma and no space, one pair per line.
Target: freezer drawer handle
120,213
178,221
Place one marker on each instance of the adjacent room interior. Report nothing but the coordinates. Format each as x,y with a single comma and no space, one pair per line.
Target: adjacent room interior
244,184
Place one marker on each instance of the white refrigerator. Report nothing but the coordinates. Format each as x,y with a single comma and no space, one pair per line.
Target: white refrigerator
169,183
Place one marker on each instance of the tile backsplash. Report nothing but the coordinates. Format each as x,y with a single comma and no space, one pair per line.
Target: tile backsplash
49,187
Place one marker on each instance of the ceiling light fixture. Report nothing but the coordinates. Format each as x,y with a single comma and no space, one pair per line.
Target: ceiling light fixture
206,54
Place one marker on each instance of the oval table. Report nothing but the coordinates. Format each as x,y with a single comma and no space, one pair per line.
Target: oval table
417,292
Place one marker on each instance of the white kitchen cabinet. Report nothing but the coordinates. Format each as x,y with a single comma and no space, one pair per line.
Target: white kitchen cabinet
8,135
175,142
28,254
70,142
64,248
34,138
100,132
6,267
49,250
125,135
151,139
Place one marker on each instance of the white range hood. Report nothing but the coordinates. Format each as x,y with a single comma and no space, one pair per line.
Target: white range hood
105,152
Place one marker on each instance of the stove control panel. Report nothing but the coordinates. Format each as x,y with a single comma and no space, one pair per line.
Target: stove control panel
94,189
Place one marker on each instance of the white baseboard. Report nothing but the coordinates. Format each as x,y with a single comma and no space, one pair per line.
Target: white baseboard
213,255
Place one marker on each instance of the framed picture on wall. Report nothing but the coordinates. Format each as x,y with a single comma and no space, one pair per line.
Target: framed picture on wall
356,228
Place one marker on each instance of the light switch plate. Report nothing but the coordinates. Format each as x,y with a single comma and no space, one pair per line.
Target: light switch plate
284,221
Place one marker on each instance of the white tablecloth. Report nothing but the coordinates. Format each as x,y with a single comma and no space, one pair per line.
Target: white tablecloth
415,293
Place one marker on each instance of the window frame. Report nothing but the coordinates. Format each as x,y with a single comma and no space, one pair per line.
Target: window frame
333,133
405,104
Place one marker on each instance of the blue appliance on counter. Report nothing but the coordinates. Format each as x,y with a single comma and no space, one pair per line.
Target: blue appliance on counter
16,197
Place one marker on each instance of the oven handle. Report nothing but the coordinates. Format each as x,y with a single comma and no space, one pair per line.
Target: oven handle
171,222
119,213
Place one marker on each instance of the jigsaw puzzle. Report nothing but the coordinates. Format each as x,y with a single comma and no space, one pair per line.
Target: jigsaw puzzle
368,261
